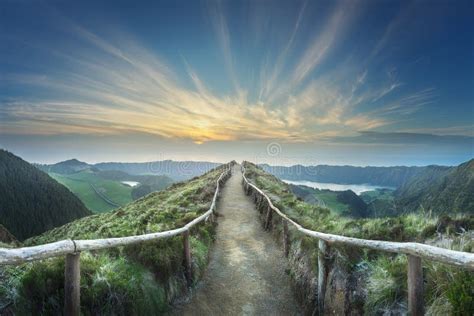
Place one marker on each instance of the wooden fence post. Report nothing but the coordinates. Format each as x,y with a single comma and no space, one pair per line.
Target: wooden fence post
72,285
286,238
268,220
415,286
322,273
187,258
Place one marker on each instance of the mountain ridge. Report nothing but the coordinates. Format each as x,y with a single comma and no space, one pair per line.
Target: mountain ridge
444,191
383,176
177,170
29,195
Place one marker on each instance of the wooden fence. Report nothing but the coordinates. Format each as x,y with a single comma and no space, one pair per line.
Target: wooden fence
72,249
414,251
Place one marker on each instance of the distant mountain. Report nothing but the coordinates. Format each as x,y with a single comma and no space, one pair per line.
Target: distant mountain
441,190
176,170
31,202
65,167
382,176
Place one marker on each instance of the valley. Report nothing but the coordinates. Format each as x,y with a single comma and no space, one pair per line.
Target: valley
102,188
153,271
99,195
392,191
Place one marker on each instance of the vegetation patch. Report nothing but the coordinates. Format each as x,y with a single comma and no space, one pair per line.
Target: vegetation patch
140,279
31,202
80,185
384,274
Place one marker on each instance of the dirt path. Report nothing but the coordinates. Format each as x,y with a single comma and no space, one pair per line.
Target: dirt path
246,274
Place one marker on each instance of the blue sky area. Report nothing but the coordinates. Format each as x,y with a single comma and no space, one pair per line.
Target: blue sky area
323,82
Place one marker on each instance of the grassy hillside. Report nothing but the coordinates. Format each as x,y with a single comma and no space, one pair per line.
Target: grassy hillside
31,202
147,183
102,191
441,191
369,282
98,194
339,202
157,211
377,194
137,280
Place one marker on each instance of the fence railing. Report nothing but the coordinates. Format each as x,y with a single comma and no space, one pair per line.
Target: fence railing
414,251
72,249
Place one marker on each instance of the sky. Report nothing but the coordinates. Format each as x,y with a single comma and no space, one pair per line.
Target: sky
284,82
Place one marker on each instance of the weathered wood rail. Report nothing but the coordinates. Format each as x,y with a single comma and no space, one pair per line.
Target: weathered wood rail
414,251
72,249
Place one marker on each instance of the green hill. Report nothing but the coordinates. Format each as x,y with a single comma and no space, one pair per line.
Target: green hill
64,167
157,211
146,183
99,195
340,202
102,191
103,187
440,190
136,280
367,282
31,202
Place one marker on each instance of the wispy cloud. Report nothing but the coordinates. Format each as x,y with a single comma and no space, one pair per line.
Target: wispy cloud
223,35
119,87
386,91
407,104
321,45
268,84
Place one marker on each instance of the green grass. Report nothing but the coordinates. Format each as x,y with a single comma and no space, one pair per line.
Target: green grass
134,280
108,286
80,184
378,194
116,191
330,201
448,290
158,211
387,284
409,227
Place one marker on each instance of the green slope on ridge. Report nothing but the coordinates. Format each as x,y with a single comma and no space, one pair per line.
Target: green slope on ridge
363,281
440,191
138,279
31,202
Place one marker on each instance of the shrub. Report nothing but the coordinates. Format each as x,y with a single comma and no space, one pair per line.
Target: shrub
460,293
387,283
108,286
